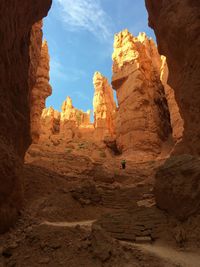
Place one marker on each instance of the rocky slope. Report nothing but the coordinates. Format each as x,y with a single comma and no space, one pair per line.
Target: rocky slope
104,107
143,121
15,27
40,92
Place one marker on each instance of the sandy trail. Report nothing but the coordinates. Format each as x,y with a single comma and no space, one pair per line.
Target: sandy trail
85,224
179,258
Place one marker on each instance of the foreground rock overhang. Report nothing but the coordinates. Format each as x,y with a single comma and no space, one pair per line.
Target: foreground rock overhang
15,27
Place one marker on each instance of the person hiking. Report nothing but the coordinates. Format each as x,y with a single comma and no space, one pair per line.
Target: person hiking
123,164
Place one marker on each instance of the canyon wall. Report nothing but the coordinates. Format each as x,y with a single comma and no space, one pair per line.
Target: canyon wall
143,121
175,117
35,52
17,19
41,90
177,25
104,107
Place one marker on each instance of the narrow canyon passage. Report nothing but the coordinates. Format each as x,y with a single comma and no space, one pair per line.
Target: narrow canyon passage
121,189
79,211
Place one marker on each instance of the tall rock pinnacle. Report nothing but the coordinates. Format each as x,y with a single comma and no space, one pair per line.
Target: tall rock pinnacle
143,122
104,107
40,92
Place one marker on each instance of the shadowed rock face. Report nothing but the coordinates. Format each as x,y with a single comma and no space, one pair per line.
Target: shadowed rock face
175,117
17,18
143,121
177,186
177,25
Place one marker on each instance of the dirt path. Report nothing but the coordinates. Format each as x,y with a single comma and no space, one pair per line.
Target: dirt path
179,258
85,224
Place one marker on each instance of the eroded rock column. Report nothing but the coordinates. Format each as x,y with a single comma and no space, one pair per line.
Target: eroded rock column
40,92
143,121
104,107
50,123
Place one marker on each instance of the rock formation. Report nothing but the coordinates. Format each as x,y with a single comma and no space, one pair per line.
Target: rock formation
35,52
175,117
50,123
71,118
143,121
104,107
15,27
177,26
177,187
67,124
40,92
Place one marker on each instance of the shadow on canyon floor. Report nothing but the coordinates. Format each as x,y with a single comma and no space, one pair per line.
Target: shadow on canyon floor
74,217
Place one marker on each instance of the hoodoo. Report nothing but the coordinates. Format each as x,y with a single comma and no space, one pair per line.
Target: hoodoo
40,92
104,107
122,189
143,121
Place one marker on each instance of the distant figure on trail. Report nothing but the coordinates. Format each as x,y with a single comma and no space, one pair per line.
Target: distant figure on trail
123,164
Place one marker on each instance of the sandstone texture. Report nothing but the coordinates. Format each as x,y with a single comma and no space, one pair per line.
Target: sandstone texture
175,117
50,122
40,92
65,125
15,27
177,26
143,121
71,118
35,52
72,123
177,187
104,107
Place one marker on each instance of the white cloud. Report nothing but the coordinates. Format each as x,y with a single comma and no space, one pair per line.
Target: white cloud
59,72
87,15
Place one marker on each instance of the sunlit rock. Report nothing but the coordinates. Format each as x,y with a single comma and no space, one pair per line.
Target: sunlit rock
143,121
104,107
40,92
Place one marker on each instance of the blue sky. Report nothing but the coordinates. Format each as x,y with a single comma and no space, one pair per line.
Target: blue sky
80,36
